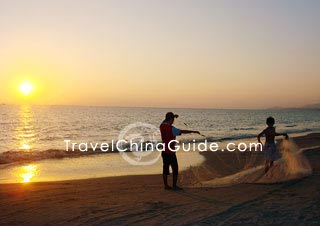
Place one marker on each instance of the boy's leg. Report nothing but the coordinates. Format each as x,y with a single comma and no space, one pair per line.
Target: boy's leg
271,164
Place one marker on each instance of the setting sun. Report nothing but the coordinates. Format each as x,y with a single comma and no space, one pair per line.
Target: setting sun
26,88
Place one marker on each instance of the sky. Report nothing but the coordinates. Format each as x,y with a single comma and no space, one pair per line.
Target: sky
168,53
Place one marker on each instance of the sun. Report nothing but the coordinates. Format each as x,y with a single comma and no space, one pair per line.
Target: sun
26,88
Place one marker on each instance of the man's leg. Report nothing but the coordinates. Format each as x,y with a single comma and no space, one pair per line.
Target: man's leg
175,170
174,182
165,171
165,182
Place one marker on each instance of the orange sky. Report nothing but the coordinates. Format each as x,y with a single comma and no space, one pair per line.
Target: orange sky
161,54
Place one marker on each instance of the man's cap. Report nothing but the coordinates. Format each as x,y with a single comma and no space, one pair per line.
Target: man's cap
170,115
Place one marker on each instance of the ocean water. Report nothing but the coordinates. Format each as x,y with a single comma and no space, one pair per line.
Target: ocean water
32,137
41,128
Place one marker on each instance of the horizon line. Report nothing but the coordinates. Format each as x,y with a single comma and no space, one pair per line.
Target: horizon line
191,108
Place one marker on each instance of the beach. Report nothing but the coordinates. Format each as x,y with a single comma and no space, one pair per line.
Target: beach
96,96
141,200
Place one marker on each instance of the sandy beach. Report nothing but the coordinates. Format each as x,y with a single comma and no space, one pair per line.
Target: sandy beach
95,96
141,200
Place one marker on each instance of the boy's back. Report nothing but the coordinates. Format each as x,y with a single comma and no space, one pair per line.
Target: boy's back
270,133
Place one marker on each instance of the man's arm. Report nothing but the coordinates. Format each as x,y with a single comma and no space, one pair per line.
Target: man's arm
189,131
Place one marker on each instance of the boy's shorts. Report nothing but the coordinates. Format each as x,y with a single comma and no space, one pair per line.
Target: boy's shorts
271,151
169,160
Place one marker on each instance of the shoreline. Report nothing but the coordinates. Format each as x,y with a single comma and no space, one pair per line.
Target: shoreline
225,164
23,157
141,200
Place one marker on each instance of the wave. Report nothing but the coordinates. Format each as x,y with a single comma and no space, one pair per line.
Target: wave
249,128
28,156
300,130
217,139
241,137
291,126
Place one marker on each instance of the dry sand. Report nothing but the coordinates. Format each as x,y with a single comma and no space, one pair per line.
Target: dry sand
141,200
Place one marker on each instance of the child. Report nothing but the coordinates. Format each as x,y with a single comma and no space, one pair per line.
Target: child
270,146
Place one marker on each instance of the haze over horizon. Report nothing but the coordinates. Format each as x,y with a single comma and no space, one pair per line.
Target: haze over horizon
183,54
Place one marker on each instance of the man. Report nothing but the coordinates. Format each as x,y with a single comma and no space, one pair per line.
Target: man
168,134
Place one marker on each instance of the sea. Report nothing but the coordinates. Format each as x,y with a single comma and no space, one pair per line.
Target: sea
33,139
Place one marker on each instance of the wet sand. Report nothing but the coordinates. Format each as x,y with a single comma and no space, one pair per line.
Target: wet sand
141,200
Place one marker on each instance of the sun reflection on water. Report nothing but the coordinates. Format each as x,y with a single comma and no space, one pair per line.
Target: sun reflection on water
27,173
25,129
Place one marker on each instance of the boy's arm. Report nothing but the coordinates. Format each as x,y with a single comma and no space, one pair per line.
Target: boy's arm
259,136
282,134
